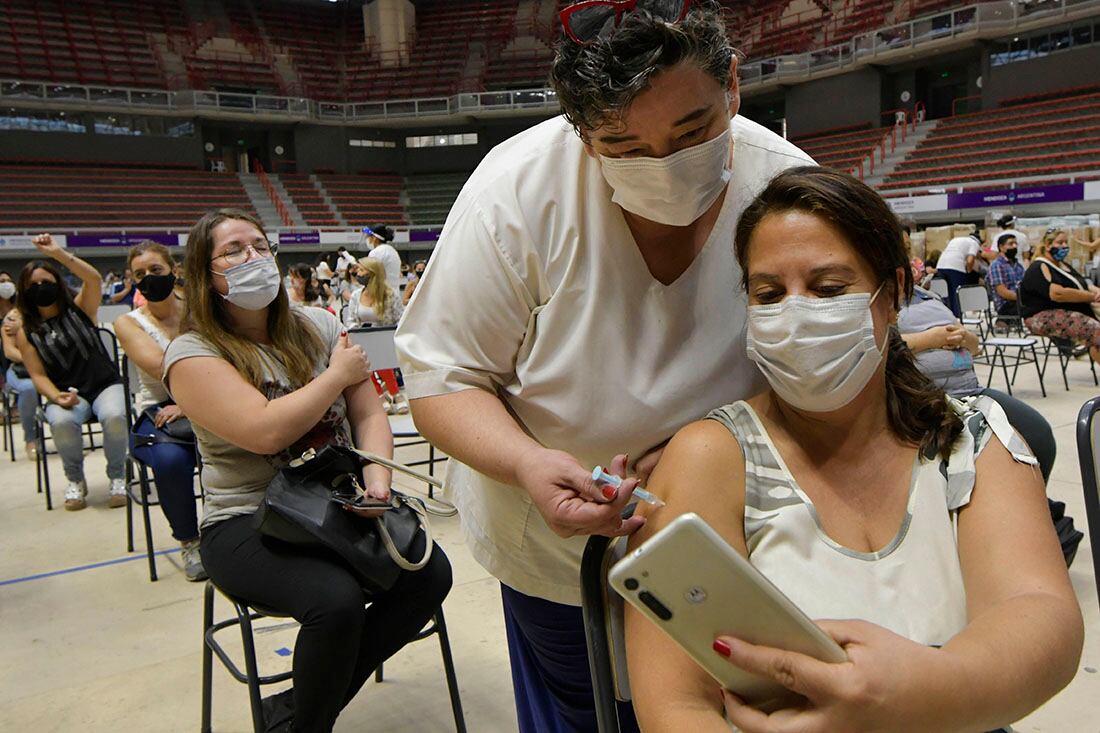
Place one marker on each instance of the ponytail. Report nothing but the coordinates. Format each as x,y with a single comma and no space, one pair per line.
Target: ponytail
917,409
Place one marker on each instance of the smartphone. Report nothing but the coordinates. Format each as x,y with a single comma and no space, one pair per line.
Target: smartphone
360,501
695,587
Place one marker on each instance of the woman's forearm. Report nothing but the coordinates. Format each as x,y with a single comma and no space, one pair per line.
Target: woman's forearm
1008,661
83,270
370,430
921,341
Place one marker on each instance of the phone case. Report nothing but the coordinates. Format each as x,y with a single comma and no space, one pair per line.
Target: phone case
695,586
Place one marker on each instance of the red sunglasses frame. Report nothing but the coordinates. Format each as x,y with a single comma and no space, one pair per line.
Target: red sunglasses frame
621,8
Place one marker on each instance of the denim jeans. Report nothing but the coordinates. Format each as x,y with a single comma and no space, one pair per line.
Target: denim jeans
173,467
66,425
27,399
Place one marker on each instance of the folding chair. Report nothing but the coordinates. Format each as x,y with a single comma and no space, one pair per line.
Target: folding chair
8,402
1008,323
42,465
1088,451
975,299
1063,358
974,304
109,313
245,615
602,611
938,286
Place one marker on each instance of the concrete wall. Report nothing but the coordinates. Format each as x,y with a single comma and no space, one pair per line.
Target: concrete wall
91,147
1073,68
837,101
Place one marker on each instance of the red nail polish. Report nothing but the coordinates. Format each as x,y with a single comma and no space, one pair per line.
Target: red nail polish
609,492
722,648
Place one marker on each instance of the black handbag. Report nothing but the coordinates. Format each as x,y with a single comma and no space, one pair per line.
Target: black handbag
20,370
299,508
178,431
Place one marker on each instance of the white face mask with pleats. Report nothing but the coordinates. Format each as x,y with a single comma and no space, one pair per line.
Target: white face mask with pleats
816,353
676,189
254,284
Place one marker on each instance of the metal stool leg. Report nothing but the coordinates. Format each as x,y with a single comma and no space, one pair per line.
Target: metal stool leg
129,507
378,674
143,479
251,668
207,657
449,671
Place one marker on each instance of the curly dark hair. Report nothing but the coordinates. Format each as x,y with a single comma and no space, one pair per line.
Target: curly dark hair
596,83
917,408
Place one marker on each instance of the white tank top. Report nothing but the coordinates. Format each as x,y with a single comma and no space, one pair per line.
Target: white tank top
152,390
912,586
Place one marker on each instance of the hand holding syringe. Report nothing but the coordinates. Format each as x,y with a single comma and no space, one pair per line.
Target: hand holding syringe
601,476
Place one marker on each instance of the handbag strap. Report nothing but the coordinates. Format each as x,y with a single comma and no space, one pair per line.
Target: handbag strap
441,509
418,508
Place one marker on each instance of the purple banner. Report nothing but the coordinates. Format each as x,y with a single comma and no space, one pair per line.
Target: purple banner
1037,195
114,239
430,235
311,237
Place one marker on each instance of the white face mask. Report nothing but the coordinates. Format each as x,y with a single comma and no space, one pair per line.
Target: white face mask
253,284
674,190
816,353
7,289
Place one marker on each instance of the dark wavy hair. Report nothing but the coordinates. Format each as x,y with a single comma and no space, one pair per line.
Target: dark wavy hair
32,319
917,409
597,82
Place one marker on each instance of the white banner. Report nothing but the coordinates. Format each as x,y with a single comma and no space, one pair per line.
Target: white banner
23,241
915,204
1092,190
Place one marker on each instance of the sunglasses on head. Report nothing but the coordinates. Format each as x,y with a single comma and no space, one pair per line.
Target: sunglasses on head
586,21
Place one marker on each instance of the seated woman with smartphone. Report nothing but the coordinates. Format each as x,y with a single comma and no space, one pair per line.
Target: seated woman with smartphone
864,494
262,383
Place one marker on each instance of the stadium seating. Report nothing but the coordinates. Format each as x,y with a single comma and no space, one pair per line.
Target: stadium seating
846,149
307,199
62,195
430,196
367,198
1057,135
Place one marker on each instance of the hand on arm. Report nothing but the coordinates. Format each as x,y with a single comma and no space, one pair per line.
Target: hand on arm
371,432
215,396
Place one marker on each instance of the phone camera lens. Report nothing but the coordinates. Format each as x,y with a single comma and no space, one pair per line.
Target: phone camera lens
658,608
631,584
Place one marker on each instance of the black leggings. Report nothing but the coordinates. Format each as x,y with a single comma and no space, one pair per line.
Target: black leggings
340,644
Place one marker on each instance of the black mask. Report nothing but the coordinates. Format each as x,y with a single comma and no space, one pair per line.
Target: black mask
362,279
43,294
1010,254
156,288
419,272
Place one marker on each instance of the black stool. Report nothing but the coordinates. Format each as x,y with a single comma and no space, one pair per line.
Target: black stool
251,676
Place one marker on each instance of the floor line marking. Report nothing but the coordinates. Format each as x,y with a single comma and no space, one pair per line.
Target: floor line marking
81,568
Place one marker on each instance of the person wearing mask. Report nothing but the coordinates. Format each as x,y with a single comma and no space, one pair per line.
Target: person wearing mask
414,280
1057,301
71,368
16,377
302,289
956,265
918,524
124,290
144,333
1008,224
943,347
588,259
1005,275
262,383
377,239
374,303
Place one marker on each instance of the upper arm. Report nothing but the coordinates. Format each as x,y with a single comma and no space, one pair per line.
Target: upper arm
215,396
465,326
89,297
31,360
139,346
1007,543
702,471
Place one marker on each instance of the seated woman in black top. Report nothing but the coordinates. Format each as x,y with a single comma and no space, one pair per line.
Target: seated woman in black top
1056,300
71,368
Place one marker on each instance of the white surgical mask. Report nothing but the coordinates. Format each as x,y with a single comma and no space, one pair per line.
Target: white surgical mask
253,284
816,353
7,289
674,190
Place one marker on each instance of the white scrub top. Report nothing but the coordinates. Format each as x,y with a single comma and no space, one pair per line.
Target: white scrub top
537,292
391,260
955,253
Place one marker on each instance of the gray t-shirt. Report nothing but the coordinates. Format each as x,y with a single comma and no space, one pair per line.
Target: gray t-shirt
235,479
952,371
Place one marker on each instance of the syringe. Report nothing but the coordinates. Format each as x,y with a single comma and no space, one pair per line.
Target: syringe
598,474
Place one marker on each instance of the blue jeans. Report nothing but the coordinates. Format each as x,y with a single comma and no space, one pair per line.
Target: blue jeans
66,425
173,467
27,400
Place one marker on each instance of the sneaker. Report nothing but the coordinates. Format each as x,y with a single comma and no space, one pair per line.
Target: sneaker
400,404
74,496
278,711
192,561
32,451
118,493
388,406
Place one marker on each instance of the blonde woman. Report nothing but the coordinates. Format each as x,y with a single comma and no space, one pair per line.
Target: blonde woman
1057,301
374,303
262,383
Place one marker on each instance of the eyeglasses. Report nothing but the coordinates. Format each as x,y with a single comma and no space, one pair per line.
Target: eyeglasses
237,255
586,21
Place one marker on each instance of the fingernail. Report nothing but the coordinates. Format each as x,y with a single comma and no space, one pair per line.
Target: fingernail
722,648
609,492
